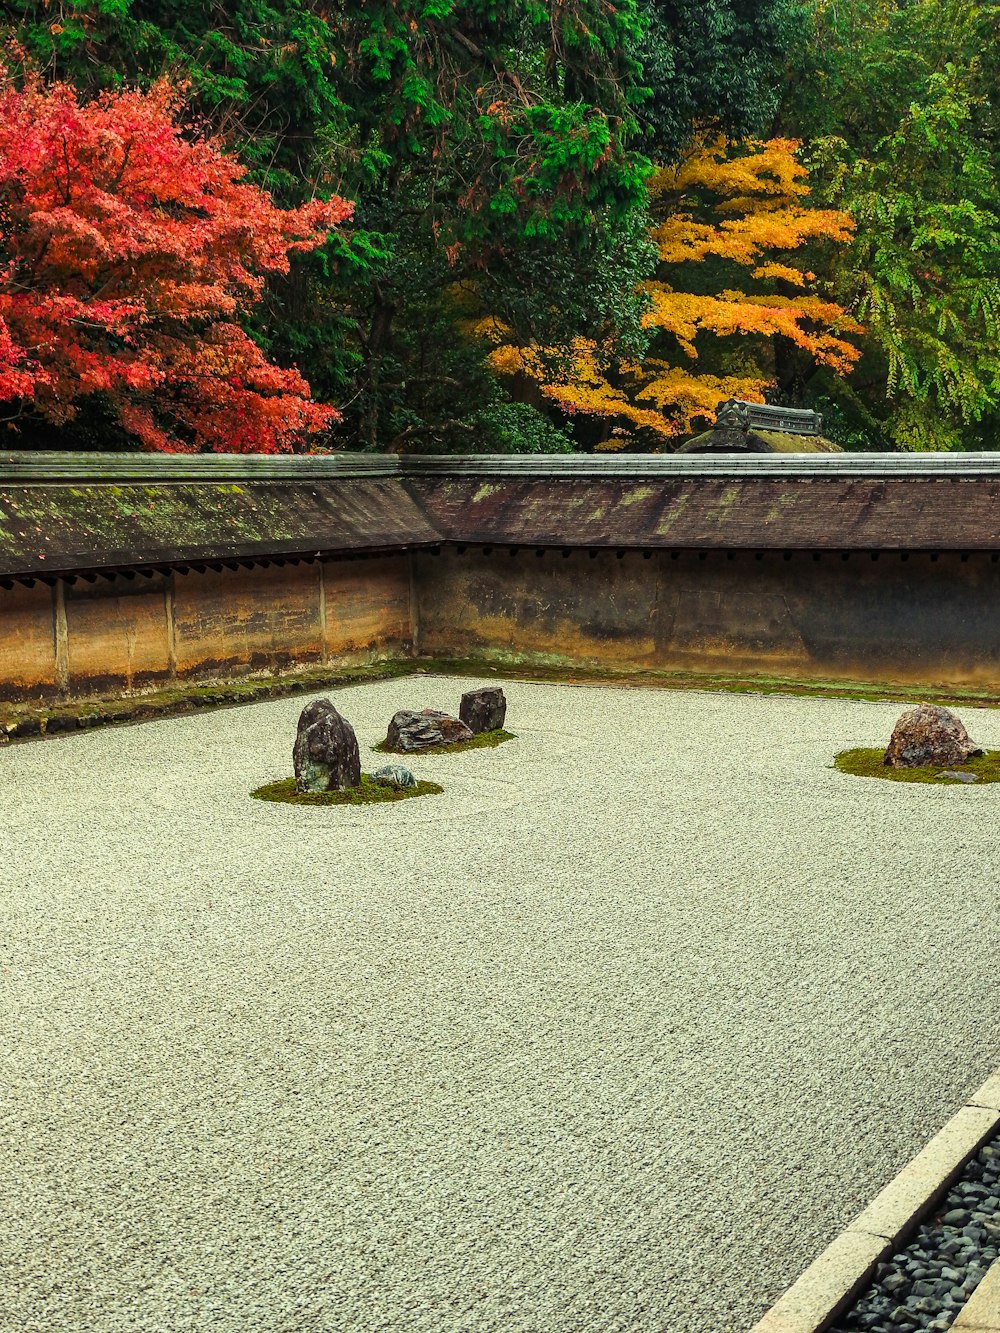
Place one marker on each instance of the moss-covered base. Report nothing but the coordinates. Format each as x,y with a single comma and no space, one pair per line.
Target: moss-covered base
20,721
486,740
27,720
369,793
759,441
562,671
868,764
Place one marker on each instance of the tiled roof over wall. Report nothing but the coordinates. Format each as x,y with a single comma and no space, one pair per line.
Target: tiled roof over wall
61,513
50,529
756,513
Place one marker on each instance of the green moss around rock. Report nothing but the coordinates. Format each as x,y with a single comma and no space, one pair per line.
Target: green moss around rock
486,740
369,793
864,763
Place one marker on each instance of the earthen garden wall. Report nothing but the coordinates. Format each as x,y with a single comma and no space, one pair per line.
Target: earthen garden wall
932,618
126,634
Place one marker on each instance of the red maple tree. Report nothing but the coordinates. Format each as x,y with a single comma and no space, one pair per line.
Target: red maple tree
129,249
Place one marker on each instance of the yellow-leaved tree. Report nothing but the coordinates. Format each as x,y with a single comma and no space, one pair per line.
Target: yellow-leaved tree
728,290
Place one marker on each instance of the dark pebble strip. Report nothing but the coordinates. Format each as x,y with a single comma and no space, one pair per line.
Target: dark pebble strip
926,1284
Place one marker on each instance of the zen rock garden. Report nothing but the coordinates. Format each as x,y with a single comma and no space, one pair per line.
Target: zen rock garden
327,761
603,983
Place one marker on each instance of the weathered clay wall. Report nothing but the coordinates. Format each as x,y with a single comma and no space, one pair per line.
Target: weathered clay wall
280,617
28,665
232,621
133,633
924,618
117,632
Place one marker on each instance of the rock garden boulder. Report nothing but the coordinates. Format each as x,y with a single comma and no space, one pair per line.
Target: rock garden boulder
483,710
409,731
929,735
325,754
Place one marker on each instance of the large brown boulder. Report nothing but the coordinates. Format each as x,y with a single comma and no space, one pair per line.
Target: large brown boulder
410,731
927,736
325,754
483,710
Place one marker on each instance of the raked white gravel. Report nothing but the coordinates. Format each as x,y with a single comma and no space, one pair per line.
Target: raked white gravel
616,1034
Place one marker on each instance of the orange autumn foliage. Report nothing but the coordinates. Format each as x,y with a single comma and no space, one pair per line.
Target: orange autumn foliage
743,209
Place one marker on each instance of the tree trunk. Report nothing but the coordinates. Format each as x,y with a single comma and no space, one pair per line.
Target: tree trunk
375,346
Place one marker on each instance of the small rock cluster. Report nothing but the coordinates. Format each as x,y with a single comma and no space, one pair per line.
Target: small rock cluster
925,1284
480,711
326,756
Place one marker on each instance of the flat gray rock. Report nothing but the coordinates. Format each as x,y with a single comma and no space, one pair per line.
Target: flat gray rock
959,777
410,731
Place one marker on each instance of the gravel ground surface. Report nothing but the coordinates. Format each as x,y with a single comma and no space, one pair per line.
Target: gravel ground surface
615,1034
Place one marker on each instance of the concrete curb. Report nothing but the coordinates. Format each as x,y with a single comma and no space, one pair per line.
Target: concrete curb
831,1282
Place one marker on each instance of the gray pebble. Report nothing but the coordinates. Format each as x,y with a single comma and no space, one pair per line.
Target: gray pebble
931,1278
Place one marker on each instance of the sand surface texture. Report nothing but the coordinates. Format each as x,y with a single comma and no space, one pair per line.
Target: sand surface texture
616,1034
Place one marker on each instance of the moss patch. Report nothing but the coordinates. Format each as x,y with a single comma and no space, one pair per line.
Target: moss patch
864,763
369,793
562,671
486,740
22,720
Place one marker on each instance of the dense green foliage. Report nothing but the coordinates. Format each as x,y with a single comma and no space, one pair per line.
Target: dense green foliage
499,158
713,63
894,101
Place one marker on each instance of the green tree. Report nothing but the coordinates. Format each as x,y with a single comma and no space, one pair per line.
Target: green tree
904,137
714,64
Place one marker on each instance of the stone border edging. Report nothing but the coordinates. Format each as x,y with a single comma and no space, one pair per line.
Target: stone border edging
831,1282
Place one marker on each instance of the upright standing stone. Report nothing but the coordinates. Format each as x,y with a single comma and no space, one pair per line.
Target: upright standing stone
929,735
325,755
483,710
410,731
